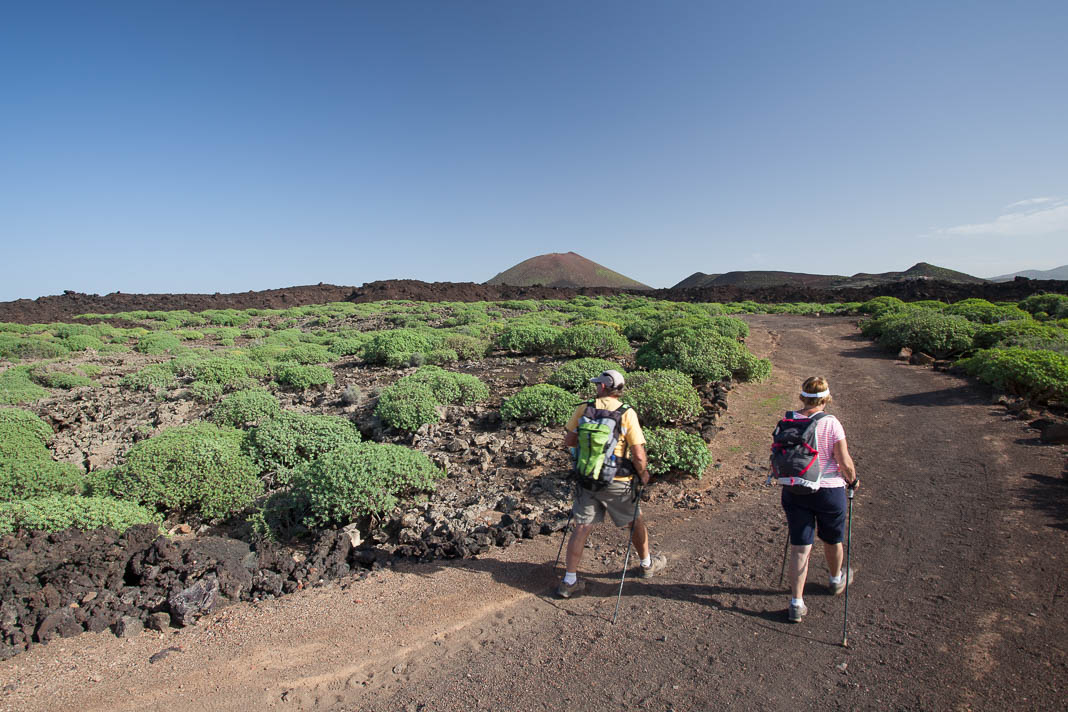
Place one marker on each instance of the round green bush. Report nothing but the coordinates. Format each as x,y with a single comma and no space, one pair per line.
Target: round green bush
32,347
544,403
153,377
528,338
671,450
662,396
290,439
198,468
206,392
243,409
1040,375
83,342
592,340
880,305
59,379
58,512
157,343
1028,333
983,312
16,387
406,405
304,377
1052,306
395,348
938,334
230,371
702,353
308,354
26,465
575,375
348,346
357,480
466,347
451,387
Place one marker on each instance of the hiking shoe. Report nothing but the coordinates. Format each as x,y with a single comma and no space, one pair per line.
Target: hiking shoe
796,613
657,564
570,591
837,588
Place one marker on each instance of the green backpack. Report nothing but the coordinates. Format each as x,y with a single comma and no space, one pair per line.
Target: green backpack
598,432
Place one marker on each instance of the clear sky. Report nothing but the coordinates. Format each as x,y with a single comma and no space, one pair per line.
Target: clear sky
203,146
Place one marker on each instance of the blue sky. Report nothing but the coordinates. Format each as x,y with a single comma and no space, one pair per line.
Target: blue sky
202,146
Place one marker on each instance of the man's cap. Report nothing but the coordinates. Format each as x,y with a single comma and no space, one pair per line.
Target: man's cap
612,379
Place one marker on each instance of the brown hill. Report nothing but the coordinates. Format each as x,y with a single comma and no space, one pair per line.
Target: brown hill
563,270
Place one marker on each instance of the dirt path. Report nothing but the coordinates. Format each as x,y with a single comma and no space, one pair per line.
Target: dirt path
960,532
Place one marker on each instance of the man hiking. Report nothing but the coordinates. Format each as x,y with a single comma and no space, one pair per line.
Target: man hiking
616,495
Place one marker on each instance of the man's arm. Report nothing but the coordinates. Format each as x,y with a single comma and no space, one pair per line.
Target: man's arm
570,439
640,461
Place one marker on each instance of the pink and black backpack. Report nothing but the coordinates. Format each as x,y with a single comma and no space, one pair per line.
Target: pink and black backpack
795,461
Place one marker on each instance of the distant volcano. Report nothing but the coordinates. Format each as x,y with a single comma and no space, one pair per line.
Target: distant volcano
756,279
564,270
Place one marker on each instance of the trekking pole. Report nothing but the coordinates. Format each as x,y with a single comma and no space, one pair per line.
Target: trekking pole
849,542
785,554
630,543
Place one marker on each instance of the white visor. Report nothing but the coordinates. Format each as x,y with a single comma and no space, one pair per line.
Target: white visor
821,394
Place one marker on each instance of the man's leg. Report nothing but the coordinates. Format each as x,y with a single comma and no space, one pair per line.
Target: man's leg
575,545
639,535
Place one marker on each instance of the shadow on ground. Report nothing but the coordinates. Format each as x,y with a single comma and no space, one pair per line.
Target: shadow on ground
1049,495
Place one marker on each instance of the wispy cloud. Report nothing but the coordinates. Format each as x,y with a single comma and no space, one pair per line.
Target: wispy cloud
1025,218
1030,202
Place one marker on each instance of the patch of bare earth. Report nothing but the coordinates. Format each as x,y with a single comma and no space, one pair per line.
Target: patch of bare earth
959,534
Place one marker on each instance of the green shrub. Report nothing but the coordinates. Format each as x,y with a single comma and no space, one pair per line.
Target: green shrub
157,343
58,512
82,342
671,450
26,465
59,379
361,479
1029,334
528,338
196,468
1041,375
880,305
150,378
935,333
702,353
395,348
466,347
406,405
304,377
243,409
16,387
544,403
307,354
206,392
662,396
412,401
290,439
592,340
1052,306
929,304
232,371
575,375
983,312
31,347
641,329
348,346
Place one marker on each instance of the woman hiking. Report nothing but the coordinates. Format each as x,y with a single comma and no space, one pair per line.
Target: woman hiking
821,509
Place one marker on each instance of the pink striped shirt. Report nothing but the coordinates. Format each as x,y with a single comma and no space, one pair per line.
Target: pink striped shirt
828,432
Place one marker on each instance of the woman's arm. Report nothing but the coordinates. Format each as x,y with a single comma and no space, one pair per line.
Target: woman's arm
845,462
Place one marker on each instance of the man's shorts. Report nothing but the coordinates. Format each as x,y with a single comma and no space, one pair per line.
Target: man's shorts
617,499
824,510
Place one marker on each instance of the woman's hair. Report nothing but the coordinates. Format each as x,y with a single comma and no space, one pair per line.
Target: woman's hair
816,384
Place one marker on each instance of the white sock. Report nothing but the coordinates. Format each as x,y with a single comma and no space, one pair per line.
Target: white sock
837,579
570,577
647,561
797,601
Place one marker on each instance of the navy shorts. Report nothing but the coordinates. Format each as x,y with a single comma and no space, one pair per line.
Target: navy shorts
823,511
